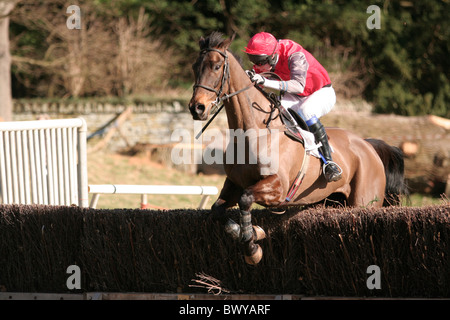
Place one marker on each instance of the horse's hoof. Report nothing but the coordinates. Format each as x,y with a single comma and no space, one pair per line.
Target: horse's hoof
255,258
233,229
258,233
277,210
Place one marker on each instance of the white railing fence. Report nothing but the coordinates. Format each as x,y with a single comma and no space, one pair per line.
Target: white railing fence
43,162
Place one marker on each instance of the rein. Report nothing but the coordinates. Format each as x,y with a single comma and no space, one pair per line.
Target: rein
275,104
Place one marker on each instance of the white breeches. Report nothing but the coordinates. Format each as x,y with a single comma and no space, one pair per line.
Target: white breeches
317,104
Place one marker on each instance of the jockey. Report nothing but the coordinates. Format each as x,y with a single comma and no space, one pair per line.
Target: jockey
305,83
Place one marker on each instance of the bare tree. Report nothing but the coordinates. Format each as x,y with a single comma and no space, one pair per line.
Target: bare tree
142,62
5,61
72,56
108,56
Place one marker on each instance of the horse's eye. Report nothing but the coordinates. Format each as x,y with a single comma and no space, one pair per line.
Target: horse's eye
217,67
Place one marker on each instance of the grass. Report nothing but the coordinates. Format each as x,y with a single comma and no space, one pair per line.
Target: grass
420,200
106,168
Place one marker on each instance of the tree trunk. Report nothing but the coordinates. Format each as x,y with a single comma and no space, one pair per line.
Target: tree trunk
5,62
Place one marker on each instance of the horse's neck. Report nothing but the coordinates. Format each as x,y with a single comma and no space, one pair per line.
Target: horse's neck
249,109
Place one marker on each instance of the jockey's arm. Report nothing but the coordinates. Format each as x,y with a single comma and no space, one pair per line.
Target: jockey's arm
298,67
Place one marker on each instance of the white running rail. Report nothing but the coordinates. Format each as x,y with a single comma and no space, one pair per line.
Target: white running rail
44,162
144,190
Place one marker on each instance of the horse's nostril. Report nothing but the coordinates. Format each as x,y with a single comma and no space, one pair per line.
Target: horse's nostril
200,108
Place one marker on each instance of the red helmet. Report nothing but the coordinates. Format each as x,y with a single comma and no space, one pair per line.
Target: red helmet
262,43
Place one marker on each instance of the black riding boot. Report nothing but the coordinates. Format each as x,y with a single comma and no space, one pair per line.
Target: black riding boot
331,170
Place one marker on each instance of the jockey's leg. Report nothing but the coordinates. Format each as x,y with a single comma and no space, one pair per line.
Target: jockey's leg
311,109
331,170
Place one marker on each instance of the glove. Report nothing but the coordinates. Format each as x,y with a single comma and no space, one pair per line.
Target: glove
254,77
258,79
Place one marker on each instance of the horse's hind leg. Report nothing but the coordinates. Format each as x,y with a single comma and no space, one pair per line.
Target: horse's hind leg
367,186
267,191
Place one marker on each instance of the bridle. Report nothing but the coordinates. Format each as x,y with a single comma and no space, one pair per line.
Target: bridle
220,95
225,73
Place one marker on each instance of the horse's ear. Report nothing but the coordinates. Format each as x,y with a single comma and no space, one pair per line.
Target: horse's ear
226,43
202,43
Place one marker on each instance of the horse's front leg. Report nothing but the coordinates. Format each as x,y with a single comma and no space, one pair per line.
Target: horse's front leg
229,196
267,192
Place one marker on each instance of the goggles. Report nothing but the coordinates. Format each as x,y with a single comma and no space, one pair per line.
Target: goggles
259,59
262,59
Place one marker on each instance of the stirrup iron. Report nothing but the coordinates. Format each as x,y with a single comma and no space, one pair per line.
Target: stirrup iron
328,163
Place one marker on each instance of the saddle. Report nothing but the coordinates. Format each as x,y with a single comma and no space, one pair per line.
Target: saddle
291,119
293,123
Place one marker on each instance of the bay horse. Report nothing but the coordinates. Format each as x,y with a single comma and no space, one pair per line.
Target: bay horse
367,179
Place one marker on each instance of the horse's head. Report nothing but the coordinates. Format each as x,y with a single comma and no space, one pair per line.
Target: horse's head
211,71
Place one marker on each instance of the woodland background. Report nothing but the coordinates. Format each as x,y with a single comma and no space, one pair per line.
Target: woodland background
139,50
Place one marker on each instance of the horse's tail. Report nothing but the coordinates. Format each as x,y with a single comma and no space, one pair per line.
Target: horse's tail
394,168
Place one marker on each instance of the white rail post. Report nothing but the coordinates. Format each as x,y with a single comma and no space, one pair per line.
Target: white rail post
144,201
82,165
203,202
